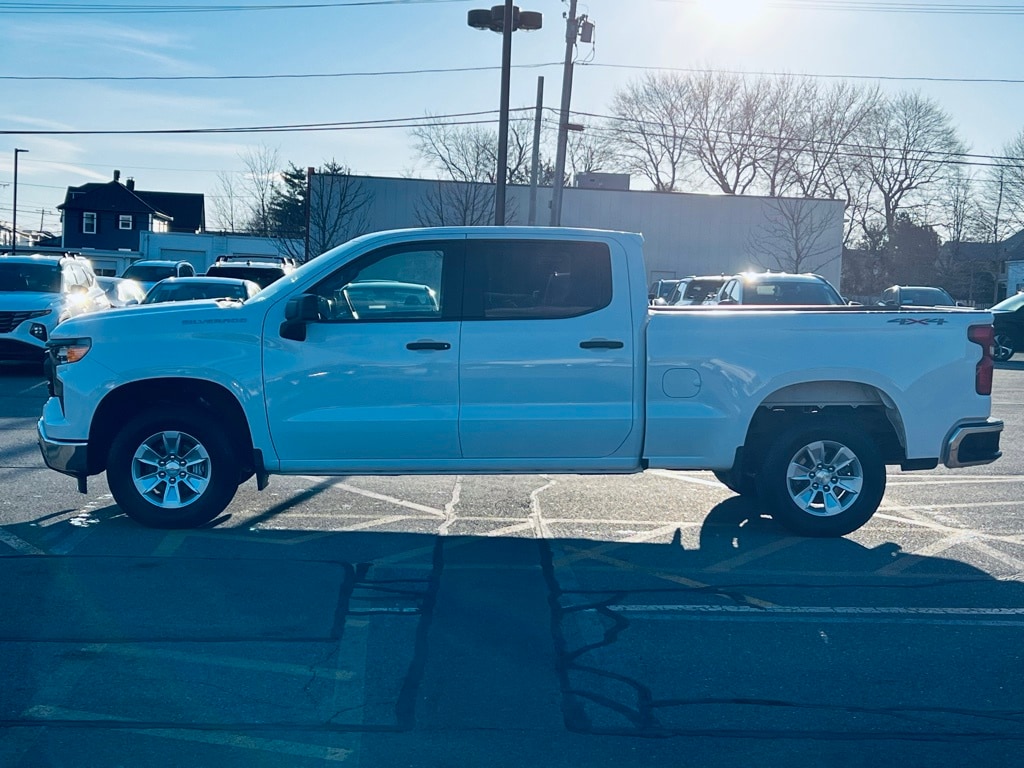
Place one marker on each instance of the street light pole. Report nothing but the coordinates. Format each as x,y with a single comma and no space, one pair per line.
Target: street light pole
506,20
14,217
506,75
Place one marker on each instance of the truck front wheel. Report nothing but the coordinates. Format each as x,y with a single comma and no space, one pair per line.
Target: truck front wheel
822,479
172,468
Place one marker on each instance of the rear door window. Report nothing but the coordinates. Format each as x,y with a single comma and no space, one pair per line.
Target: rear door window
536,280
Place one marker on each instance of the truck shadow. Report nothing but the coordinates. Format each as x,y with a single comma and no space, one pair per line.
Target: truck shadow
729,629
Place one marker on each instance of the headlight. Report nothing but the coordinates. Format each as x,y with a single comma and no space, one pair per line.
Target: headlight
66,351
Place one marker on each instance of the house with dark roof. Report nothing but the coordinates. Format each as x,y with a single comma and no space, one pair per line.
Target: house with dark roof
111,216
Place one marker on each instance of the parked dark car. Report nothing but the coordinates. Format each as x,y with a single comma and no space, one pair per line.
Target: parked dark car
781,288
916,296
262,270
1008,321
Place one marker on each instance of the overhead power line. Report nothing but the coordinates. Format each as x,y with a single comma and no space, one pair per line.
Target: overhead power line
296,76
355,125
866,6
848,6
908,78
92,9
839,149
541,65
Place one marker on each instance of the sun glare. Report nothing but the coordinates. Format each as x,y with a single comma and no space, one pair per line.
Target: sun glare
730,14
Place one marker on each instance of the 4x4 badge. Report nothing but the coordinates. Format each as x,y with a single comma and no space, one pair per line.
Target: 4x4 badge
918,320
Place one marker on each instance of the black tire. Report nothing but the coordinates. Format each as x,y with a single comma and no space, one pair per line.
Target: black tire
822,478
1002,348
738,482
185,493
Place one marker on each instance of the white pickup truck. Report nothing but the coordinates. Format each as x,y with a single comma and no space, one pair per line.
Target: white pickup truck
511,350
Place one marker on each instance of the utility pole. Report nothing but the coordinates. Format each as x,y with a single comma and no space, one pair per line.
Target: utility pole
310,171
571,31
534,169
14,217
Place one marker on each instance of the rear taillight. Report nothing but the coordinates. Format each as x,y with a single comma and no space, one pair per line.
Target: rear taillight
983,335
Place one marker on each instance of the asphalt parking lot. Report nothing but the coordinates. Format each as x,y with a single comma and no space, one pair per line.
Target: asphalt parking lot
513,620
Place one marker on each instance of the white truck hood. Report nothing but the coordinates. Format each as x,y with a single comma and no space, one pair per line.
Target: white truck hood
152,319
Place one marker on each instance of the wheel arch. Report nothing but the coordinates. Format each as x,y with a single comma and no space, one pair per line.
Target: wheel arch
122,404
858,403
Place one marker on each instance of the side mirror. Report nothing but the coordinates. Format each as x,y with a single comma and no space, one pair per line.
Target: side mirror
298,312
131,302
728,301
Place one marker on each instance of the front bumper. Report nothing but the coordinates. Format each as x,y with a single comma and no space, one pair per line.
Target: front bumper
972,444
70,458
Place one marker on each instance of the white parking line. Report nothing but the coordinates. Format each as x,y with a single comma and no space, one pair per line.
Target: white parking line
274,746
678,475
937,616
389,499
229,662
907,560
19,545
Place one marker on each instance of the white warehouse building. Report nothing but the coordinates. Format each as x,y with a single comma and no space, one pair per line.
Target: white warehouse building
684,234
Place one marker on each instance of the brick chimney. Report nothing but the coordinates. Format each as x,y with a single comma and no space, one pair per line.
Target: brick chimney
130,183
117,175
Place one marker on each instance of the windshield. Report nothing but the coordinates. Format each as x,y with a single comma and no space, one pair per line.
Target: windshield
148,273
1010,303
262,276
791,292
698,290
662,289
190,291
926,297
39,278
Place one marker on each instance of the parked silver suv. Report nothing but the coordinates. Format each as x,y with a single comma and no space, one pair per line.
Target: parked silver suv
37,292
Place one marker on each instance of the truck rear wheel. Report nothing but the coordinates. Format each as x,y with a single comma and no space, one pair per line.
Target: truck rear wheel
823,479
173,468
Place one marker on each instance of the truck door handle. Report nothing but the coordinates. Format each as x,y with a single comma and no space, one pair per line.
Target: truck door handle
428,345
601,344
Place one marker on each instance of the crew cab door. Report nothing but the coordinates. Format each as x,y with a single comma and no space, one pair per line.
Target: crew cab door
375,379
547,350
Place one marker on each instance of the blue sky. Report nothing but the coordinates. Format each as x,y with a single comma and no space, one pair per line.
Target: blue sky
825,37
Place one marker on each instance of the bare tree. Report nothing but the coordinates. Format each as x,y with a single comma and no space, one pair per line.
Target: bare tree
649,129
1004,194
261,181
338,209
908,144
457,203
470,152
727,132
796,236
228,205
786,137
589,151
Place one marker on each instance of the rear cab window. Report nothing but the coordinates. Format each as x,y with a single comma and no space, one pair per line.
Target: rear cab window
536,280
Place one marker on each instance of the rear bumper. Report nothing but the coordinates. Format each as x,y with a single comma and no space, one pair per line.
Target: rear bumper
972,444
